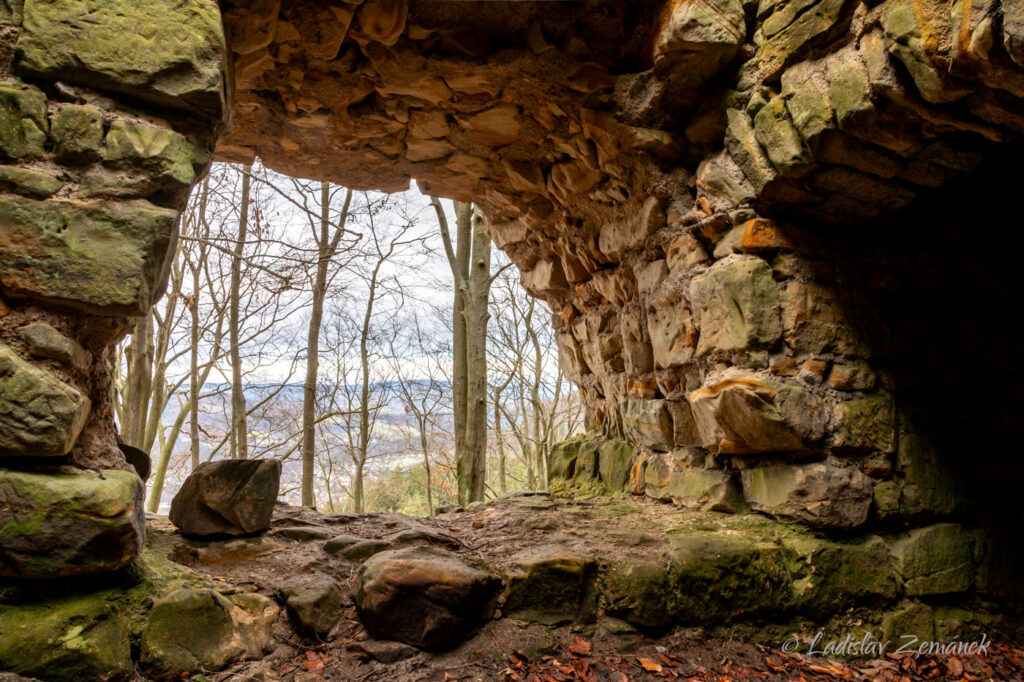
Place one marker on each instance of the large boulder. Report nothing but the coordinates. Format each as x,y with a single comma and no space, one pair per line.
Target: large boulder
168,53
194,630
66,639
40,415
820,494
69,523
423,596
227,497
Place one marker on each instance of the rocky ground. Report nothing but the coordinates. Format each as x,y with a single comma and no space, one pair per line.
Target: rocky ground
556,631
528,587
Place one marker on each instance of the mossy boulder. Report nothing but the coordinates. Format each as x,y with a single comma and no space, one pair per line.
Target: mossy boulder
69,523
693,487
75,638
313,603
819,494
549,586
45,341
562,460
195,630
23,121
614,460
166,52
108,259
866,424
829,576
718,577
640,592
40,415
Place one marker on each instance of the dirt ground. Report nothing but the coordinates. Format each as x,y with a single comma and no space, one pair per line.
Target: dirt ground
506,649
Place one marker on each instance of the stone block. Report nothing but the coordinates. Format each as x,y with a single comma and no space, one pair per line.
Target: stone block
77,131
166,156
742,412
821,494
45,341
779,137
29,182
929,485
23,120
107,259
671,328
55,525
737,306
693,488
40,415
866,424
168,53
829,576
934,560
684,426
549,586
562,460
648,422
71,638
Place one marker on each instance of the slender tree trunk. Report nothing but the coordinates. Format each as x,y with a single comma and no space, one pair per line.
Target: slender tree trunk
194,385
421,421
139,385
499,438
460,344
327,246
239,428
477,314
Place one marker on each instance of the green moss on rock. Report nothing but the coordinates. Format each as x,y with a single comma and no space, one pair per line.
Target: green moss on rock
77,131
75,638
30,182
107,259
23,122
167,52
69,524
548,586
40,415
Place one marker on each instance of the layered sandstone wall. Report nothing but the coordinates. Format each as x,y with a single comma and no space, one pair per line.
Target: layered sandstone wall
678,180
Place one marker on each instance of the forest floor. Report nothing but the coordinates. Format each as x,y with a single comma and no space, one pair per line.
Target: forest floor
508,649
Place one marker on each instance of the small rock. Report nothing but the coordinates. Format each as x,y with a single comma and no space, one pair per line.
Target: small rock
336,544
449,509
383,651
541,522
340,518
45,341
304,533
227,497
365,549
314,604
423,596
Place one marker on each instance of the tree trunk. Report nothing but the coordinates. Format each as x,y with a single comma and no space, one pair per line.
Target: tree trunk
477,315
239,428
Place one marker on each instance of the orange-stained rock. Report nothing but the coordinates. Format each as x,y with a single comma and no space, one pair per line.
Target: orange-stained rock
497,126
761,234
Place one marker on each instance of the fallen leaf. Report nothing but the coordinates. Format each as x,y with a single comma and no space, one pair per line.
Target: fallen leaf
649,665
580,646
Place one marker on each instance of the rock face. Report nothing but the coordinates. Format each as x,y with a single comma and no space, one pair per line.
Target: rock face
227,497
550,586
422,596
196,630
669,180
70,523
